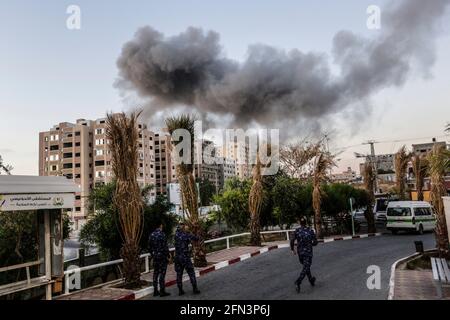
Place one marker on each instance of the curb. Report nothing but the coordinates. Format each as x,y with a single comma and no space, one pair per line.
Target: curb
394,267
220,265
392,278
360,236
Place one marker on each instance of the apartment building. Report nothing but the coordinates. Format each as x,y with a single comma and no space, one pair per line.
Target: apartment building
66,150
238,153
164,164
102,155
80,152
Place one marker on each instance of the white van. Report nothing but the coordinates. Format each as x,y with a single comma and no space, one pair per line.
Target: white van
410,216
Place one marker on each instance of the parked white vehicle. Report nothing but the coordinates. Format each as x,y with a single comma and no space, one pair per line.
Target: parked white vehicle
380,208
410,216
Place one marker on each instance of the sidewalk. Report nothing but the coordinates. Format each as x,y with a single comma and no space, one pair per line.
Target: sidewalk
417,285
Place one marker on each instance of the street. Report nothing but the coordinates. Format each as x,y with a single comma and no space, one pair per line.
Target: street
340,268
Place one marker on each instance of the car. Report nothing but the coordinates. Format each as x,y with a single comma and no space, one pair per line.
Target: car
359,216
415,216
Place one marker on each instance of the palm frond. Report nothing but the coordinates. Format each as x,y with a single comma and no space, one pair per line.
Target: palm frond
401,164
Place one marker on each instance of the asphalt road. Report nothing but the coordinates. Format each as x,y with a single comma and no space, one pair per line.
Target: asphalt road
340,268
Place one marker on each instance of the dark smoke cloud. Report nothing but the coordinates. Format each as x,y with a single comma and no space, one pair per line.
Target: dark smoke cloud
274,87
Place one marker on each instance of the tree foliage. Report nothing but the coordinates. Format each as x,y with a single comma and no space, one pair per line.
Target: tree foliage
102,226
286,199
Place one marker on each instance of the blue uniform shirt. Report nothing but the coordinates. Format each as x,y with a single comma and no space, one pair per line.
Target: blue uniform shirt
182,241
306,239
158,245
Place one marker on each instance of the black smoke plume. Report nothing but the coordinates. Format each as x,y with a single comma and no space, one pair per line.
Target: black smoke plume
273,87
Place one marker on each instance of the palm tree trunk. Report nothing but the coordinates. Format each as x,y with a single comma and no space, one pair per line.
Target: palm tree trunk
131,264
189,193
317,204
255,204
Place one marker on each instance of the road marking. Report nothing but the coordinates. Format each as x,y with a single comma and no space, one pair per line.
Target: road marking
245,256
221,265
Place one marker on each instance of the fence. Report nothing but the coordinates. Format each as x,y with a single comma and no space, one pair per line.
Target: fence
211,246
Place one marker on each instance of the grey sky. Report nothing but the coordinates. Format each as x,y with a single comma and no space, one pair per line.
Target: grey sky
47,68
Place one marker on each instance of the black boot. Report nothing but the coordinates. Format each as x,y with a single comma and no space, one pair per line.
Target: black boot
196,291
312,281
163,293
180,291
156,293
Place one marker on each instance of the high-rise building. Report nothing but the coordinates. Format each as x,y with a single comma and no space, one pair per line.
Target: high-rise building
238,153
80,151
66,150
164,164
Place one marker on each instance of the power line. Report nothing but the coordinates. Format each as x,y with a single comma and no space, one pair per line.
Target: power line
390,141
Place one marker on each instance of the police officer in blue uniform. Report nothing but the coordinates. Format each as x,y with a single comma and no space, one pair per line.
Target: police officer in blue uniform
159,251
306,239
183,258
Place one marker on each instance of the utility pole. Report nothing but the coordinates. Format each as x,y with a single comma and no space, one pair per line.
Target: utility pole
373,162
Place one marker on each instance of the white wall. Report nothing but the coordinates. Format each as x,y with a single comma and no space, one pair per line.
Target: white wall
447,212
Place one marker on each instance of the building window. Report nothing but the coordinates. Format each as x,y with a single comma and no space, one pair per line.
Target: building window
77,144
53,148
67,145
67,166
54,168
100,131
67,155
77,197
77,134
77,165
77,154
54,137
99,163
99,152
54,157
78,209
45,139
99,174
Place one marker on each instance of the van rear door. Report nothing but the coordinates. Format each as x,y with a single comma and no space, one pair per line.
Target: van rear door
400,218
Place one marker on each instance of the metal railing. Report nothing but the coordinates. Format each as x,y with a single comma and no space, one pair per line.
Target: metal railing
146,256
20,285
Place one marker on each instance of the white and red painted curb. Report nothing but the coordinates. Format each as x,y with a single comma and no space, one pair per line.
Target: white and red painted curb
220,265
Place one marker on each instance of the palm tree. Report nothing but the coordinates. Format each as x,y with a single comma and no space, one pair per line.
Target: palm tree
123,136
419,165
323,163
439,164
401,164
188,187
369,182
255,201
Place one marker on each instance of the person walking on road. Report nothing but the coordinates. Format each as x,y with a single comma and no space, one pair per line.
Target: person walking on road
159,252
306,239
183,258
